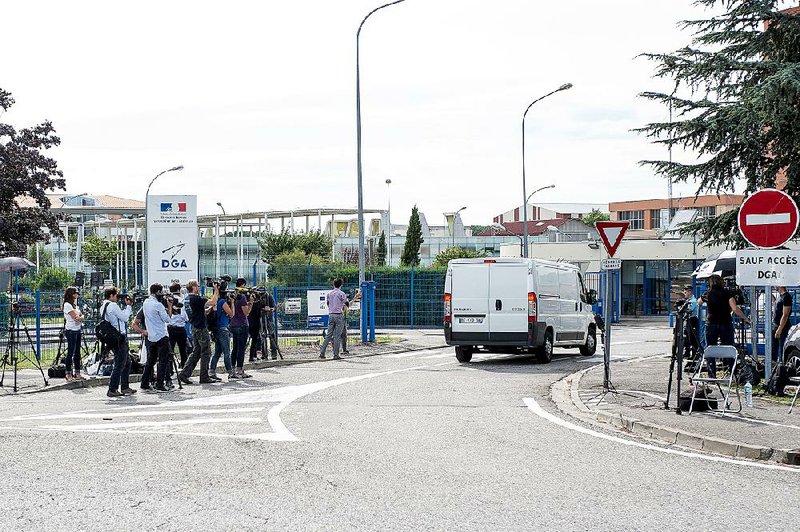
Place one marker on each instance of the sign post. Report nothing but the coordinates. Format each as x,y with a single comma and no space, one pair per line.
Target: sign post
767,220
611,234
171,239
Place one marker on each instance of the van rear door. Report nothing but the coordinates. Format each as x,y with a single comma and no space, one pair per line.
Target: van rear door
508,301
470,293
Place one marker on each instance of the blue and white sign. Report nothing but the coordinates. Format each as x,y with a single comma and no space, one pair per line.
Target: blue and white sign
171,239
317,309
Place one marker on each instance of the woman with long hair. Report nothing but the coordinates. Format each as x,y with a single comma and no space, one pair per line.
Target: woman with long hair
73,319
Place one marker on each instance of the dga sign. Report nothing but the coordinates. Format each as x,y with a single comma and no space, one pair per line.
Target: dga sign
317,308
768,218
171,239
768,267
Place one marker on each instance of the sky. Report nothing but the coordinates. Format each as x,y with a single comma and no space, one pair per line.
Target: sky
257,99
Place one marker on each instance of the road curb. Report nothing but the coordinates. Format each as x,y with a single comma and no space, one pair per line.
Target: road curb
96,382
569,402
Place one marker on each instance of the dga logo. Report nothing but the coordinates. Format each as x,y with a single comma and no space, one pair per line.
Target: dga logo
170,207
174,264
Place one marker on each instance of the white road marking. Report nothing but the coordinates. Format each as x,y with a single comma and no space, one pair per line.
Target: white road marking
133,424
415,353
768,219
90,414
539,411
446,355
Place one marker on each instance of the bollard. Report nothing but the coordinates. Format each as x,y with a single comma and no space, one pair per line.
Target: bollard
38,326
372,286
364,306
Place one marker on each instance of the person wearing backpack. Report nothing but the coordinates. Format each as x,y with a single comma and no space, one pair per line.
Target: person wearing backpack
111,312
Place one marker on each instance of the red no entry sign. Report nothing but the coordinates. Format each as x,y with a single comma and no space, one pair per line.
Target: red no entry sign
768,218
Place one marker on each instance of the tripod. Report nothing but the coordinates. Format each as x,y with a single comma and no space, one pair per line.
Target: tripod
12,353
679,333
268,331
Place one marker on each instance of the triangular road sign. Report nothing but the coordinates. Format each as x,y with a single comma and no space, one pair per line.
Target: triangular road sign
611,234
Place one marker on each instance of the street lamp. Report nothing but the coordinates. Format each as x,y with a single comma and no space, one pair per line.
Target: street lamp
358,143
146,200
538,190
501,227
563,87
389,216
453,230
225,242
64,204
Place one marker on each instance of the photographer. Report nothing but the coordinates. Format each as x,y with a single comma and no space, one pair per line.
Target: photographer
719,327
156,319
198,308
264,304
118,318
73,320
691,338
222,336
242,306
177,325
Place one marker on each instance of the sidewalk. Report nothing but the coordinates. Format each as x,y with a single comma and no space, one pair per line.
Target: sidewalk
765,431
388,341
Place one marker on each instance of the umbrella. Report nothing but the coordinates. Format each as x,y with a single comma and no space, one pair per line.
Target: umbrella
14,264
722,264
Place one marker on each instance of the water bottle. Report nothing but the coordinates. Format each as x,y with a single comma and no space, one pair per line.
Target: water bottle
748,394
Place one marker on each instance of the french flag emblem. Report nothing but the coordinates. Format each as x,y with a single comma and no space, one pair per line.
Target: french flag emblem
181,207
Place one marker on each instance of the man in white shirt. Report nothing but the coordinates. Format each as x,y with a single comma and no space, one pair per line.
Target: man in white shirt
118,318
156,318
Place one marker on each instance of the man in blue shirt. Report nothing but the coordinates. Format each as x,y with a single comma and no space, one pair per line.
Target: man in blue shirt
222,338
156,318
120,371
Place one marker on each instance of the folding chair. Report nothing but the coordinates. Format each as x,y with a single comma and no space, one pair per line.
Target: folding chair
796,382
718,352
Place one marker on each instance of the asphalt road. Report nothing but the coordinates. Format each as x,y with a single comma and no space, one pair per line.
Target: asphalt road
412,441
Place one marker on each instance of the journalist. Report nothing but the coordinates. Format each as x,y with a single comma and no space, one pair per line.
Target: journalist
261,311
156,318
719,327
780,322
222,337
197,307
73,320
111,312
337,301
242,306
692,329
177,325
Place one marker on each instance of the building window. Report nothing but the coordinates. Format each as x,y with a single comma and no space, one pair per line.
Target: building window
636,218
655,218
707,212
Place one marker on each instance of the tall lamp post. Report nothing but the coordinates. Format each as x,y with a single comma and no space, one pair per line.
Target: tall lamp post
64,204
225,238
453,230
389,216
358,142
524,189
146,236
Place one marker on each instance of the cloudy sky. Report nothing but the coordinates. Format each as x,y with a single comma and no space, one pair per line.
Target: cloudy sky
257,99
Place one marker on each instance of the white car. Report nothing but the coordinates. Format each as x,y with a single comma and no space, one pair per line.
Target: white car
531,305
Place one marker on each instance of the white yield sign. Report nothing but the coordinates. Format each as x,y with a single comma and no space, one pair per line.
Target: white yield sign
767,267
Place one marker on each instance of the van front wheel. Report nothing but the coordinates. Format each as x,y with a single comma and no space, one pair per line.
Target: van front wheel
544,354
589,348
463,353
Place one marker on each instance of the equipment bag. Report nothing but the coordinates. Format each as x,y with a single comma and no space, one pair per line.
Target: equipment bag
702,401
105,331
778,380
57,371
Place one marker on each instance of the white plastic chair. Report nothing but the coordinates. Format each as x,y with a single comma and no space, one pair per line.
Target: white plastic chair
720,353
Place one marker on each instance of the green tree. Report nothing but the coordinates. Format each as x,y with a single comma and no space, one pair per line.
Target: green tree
736,106
51,279
595,216
26,174
477,229
456,253
314,243
380,251
99,252
45,255
414,240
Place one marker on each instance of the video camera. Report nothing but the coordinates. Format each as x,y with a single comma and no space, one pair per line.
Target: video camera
222,282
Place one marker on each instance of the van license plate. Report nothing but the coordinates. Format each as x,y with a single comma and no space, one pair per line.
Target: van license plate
470,320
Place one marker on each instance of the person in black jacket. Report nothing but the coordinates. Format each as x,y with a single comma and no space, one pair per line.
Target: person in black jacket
719,327
780,322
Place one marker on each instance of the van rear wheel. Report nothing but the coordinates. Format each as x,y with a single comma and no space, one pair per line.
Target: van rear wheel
589,348
544,353
463,353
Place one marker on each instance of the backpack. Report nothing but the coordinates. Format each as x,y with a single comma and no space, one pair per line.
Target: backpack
105,332
211,320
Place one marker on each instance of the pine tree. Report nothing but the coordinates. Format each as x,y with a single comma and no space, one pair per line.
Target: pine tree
735,104
414,240
380,252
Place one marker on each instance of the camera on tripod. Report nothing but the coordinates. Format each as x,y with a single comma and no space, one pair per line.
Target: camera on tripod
683,306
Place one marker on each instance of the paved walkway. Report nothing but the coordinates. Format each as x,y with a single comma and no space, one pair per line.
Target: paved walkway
390,341
764,431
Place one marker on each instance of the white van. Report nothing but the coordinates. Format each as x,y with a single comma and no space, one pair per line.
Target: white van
508,304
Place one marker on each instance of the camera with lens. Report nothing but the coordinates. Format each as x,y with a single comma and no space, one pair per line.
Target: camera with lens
222,282
682,306
166,299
